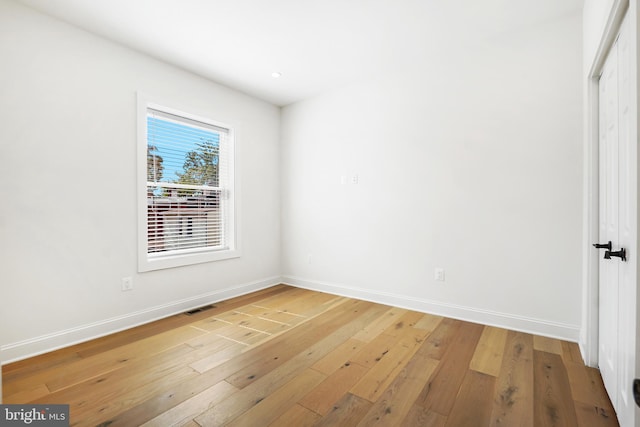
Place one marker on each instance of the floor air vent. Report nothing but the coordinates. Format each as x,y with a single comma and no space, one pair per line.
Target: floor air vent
199,309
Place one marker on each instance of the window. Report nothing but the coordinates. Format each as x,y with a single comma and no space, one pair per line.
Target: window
187,215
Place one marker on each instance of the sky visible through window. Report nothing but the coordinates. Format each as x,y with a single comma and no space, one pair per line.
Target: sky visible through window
169,144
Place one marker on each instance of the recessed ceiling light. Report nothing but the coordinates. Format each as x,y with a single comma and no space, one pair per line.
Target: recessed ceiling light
276,75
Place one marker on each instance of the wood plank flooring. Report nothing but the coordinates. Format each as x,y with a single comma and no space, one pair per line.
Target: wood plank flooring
292,357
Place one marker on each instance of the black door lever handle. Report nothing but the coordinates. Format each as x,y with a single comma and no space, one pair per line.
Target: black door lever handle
606,246
622,254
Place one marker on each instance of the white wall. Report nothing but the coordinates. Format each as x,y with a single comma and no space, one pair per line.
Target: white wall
68,202
472,164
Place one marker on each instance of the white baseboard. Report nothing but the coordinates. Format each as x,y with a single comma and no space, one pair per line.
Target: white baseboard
32,347
45,343
486,317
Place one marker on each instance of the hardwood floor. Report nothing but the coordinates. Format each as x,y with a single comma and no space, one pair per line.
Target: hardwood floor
292,357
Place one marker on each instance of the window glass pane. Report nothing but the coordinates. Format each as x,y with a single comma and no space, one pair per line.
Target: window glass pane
185,206
182,154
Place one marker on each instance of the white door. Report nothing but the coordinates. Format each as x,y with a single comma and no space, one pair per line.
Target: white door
608,230
617,329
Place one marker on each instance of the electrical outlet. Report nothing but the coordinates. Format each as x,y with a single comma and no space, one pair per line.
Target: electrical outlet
438,274
127,284
309,259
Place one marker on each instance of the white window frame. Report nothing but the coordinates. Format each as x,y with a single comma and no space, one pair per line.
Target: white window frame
150,262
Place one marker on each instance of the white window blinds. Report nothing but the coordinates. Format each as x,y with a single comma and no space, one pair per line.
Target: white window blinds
188,185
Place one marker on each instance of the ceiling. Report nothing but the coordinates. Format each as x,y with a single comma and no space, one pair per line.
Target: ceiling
316,45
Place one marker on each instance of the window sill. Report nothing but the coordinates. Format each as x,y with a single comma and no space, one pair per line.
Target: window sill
150,264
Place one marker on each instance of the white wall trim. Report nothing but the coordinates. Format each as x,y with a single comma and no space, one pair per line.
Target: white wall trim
34,346
609,34
486,317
